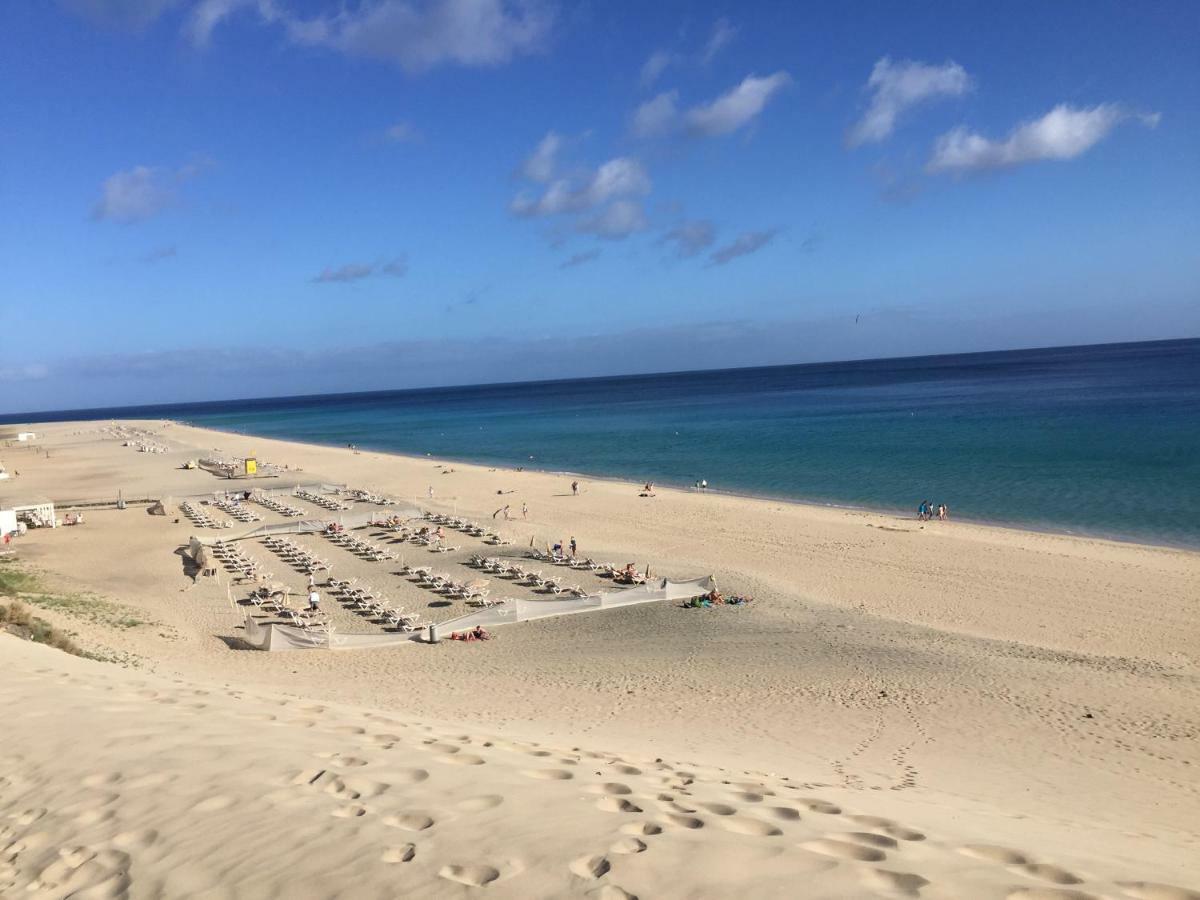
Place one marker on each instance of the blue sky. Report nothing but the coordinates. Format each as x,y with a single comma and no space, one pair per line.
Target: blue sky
228,198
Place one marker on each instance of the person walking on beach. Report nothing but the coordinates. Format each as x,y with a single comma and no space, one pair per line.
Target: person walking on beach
524,510
574,488
574,546
943,512
431,492
923,511
314,601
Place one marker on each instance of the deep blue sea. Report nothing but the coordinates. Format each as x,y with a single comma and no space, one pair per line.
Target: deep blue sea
1099,440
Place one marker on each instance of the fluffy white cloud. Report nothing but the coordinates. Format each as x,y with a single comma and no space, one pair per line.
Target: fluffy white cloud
690,238
896,87
1063,133
619,177
744,244
616,221
722,33
734,109
737,107
142,192
542,163
413,34
657,117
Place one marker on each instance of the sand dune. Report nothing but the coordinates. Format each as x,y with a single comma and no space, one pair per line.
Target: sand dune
118,783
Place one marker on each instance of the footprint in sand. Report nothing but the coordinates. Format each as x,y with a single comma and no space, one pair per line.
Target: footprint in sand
627,846
611,787
890,828
896,882
871,840
616,804
719,809
409,821
1047,872
643,829
690,822
590,867
993,853
784,813
94,816
101,779
472,875
747,825
408,776
462,759
628,770
820,806
352,811
1049,894
844,850
549,774
401,854
1150,890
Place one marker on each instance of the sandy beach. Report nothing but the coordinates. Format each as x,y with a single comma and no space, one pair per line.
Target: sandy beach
905,708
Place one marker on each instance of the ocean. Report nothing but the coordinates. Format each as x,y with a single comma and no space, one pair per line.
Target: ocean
1100,440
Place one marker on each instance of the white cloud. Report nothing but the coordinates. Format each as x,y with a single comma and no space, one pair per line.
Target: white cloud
722,33
1063,133
896,87
735,108
655,65
542,163
616,221
141,193
619,177
415,35
657,117
744,244
690,238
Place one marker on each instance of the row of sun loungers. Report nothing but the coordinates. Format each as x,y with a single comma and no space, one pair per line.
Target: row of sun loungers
294,555
235,509
201,519
365,599
475,592
316,623
238,562
284,509
322,501
364,549
368,497
619,574
514,571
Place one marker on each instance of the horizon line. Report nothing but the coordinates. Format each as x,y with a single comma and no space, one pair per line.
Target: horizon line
11,418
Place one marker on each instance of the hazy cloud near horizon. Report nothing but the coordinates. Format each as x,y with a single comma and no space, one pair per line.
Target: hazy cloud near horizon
216,372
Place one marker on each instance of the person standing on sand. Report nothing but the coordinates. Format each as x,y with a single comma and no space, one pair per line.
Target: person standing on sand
574,488
314,601
431,492
524,510
574,546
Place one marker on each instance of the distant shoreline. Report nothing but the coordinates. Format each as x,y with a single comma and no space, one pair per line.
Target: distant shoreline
901,514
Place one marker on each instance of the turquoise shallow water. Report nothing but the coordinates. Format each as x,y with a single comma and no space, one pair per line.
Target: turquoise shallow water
1100,440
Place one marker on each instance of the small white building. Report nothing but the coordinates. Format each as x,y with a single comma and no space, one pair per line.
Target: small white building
8,521
26,435
37,513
